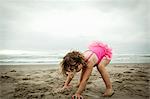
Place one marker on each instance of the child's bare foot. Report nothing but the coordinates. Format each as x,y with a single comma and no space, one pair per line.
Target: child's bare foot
108,93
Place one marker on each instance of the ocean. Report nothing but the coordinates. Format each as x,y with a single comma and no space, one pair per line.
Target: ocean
19,57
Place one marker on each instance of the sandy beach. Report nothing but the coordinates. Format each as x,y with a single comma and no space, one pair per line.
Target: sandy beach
130,81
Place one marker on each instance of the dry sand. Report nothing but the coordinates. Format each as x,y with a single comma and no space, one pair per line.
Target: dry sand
130,81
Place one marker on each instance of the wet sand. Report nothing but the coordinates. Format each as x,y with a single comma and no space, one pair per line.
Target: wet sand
130,81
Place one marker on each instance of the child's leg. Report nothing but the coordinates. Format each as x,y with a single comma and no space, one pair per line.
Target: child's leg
102,70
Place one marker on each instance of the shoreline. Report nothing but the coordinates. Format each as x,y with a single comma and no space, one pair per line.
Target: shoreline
53,66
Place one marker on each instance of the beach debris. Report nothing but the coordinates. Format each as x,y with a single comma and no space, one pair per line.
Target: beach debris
5,76
13,70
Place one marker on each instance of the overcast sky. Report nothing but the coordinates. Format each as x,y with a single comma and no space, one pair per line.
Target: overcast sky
72,24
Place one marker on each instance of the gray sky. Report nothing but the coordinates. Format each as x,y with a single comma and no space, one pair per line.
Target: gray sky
72,24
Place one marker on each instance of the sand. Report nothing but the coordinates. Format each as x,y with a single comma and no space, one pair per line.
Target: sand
130,81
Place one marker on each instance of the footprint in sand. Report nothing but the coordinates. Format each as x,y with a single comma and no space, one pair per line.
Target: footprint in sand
132,69
5,76
119,81
142,76
141,71
127,72
28,75
89,82
118,75
26,78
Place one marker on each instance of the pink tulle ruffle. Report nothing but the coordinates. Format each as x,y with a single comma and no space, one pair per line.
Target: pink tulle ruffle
108,50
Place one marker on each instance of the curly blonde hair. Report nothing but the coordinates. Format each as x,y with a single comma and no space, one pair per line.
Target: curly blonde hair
71,61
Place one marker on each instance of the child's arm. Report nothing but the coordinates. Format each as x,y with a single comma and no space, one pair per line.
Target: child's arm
68,80
81,77
83,83
84,80
86,74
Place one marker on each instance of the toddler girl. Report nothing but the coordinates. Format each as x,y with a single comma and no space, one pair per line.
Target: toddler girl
99,55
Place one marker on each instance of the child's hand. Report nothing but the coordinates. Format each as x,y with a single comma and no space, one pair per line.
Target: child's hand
66,87
77,96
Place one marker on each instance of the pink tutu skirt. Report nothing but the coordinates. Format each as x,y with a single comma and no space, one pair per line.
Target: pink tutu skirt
101,50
